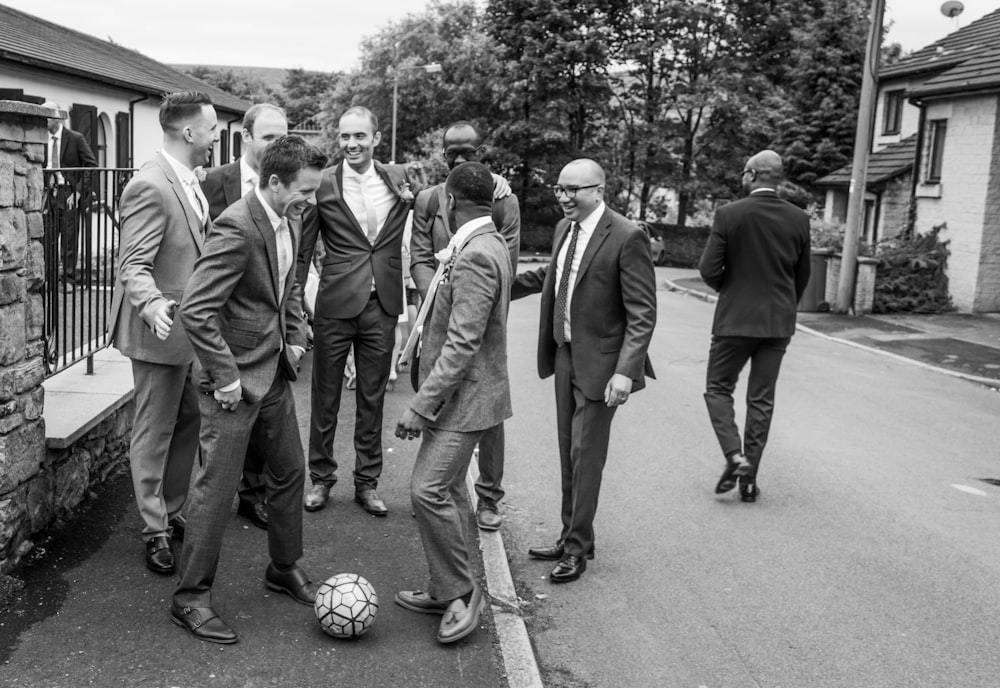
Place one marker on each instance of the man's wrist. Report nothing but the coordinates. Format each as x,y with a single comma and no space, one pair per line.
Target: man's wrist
231,387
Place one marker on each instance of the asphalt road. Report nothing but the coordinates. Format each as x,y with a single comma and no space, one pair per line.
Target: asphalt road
871,558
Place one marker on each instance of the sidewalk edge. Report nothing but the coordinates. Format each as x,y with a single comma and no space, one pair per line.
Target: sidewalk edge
515,646
987,381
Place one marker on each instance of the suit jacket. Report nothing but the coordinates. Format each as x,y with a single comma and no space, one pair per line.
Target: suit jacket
757,258
351,262
463,364
222,187
75,152
613,309
432,231
160,239
237,321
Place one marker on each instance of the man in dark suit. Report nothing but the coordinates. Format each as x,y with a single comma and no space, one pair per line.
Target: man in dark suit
597,317
263,123
243,314
66,149
361,212
464,392
164,217
433,227
757,258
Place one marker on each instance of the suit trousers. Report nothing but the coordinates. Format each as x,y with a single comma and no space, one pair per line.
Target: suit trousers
224,440
491,453
373,335
252,487
164,441
584,428
726,359
441,506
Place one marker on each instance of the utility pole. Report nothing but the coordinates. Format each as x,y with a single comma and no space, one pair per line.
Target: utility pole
859,169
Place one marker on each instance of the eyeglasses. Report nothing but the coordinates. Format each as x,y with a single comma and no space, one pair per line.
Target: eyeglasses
571,191
466,152
750,170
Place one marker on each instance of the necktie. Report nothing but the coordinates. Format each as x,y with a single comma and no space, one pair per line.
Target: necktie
562,294
283,241
196,199
371,219
54,151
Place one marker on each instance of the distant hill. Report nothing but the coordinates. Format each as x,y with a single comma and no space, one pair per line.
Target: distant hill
271,76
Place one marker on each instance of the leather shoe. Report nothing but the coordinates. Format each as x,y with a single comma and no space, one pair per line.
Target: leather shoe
178,525
420,601
293,582
316,497
568,569
159,558
203,623
255,512
728,481
555,552
371,502
460,620
748,489
487,515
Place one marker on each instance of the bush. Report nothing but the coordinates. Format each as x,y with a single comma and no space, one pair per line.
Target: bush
910,276
683,246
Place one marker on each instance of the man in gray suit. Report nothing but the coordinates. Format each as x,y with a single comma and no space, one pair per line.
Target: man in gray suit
164,217
464,392
243,313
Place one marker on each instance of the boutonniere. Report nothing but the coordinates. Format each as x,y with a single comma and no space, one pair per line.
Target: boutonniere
405,193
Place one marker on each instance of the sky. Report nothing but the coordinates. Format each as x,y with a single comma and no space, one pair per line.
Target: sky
325,36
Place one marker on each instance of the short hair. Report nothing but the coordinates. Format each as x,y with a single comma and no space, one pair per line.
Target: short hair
255,111
286,156
471,181
179,107
361,111
462,123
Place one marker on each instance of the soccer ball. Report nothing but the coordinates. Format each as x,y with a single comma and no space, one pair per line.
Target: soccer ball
346,605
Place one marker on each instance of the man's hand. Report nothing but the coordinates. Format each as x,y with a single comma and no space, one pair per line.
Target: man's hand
295,353
410,425
501,189
617,390
164,320
71,200
229,400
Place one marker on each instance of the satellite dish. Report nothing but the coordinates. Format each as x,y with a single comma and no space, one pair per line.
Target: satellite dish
952,8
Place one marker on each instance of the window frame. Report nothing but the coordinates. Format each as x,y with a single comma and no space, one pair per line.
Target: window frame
937,133
892,105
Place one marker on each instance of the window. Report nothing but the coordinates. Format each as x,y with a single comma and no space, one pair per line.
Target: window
893,112
939,128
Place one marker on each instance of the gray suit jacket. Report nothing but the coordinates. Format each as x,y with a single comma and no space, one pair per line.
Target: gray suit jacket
463,364
161,237
238,323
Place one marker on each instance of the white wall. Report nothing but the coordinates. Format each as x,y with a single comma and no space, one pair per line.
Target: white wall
911,114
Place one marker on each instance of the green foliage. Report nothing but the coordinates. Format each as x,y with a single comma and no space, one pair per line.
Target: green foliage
304,92
237,83
910,277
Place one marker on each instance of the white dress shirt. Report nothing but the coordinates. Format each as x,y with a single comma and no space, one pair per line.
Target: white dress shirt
587,227
248,178
361,189
191,186
54,139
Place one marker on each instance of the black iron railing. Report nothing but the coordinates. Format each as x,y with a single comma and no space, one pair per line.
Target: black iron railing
80,219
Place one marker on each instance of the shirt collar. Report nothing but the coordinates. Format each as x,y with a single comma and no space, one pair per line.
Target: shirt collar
246,172
763,188
271,215
589,223
370,174
183,173
58,133
469,227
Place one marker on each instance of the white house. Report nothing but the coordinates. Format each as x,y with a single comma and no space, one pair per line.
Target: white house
113,93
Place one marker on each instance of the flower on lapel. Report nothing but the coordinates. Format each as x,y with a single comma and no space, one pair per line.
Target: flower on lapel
200,173
404,192
444,255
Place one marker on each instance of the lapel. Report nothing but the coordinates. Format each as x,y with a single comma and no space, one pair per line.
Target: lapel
337,182
443,211
232,185
263,224
194,224
601,232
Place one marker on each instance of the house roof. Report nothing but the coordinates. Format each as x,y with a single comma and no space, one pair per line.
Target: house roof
32,41
890,162
964,60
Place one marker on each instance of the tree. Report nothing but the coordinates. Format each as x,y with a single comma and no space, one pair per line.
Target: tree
238,83
304,93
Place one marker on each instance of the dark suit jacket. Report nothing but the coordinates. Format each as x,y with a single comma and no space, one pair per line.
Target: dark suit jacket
222,187
350,262
463,364
757,258
74,150
432,231
237,321
161,237
613,309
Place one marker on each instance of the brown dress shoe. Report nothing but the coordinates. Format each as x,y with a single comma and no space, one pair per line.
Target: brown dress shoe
316,497
159,558
256,513
203,623
371,503
293,582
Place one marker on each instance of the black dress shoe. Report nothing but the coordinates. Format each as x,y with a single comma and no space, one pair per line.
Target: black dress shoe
748,489
178,526
555,552
203,623
728,481
370,502
256,513
293,582
568,569
159,558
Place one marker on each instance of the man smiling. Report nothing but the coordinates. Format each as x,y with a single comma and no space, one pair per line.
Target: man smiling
243,314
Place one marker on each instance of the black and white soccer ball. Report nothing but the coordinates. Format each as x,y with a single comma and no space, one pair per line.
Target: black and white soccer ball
346,605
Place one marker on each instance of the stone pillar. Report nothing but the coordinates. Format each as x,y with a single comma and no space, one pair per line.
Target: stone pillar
22,370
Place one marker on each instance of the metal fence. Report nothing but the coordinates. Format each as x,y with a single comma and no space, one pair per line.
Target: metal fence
80,214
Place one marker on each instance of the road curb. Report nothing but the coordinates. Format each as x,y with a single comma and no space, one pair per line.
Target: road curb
987,381
515,646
